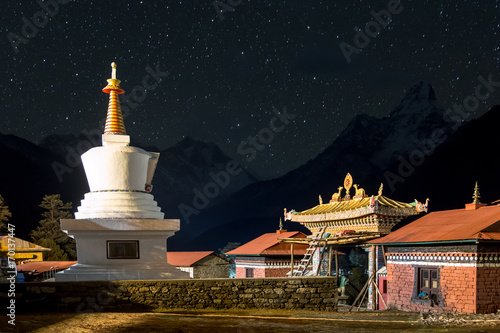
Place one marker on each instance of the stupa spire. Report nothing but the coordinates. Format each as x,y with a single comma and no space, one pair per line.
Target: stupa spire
114,119
476,195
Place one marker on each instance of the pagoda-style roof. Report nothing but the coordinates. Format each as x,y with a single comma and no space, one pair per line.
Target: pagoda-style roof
359,213
355,208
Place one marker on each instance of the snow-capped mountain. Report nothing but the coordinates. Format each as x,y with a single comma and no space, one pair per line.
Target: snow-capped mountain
365,148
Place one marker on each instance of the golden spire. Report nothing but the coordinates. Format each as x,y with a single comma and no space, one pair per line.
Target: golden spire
476,195
114,119
281,224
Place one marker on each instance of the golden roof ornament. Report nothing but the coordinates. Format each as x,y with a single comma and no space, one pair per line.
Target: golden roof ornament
380,189
347,185
114,118
336,196
281,224
320,199
360,192
476,195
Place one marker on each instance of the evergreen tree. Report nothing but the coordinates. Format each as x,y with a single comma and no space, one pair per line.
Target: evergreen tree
5,214
228,247
358,257
57,254
49,228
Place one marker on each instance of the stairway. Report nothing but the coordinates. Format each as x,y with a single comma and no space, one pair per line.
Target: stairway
313,246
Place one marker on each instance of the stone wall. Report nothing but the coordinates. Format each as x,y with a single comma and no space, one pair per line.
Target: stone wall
313,293
211,266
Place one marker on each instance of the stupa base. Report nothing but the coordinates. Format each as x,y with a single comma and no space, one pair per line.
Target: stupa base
80,272
121,249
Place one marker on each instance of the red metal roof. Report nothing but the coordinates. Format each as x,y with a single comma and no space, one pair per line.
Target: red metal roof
450,225
186,259
44,266
269,244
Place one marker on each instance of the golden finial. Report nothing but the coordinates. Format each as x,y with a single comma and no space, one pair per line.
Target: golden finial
476,195
320,200
281,224
114,118
113,71
380,189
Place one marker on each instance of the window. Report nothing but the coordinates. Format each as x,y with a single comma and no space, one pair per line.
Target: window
122,249
428,281
384,286
249,272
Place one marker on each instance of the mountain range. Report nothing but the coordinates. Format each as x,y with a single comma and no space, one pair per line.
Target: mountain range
415,151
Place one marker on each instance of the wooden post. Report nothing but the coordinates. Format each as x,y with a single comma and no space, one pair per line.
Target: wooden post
291,259
383,253
320,261
337,263
361,293
330,257
372,265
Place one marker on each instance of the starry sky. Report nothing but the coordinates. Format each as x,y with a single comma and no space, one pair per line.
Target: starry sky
232,69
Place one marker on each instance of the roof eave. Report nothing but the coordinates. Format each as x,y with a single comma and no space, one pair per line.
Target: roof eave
428,242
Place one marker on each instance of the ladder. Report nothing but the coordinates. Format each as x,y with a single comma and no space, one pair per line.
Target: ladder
304,263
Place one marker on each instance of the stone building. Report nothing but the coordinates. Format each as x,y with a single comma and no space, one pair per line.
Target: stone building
446,261
267,255
200,264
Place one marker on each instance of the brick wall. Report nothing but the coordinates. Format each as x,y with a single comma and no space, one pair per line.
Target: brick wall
457,289
400,282
469,277
314,293
488,290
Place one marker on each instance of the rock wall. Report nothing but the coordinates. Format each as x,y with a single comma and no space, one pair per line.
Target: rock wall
211,266
313,293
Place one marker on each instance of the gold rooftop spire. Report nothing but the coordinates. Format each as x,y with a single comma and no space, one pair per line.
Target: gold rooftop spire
476,195
114,119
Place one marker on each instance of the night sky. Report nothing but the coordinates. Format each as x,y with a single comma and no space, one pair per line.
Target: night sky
229,70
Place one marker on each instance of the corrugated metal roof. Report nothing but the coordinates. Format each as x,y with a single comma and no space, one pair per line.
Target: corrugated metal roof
186,259
450,225
44,266
270,244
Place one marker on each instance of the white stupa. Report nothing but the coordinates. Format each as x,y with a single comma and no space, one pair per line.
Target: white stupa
119,229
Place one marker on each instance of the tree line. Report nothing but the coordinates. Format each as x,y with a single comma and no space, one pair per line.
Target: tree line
48,233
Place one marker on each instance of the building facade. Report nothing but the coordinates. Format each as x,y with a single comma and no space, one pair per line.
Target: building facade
447,261
267,255
200,264
24,251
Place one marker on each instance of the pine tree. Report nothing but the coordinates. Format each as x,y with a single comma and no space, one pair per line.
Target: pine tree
5,214
57,254
49,228
228,247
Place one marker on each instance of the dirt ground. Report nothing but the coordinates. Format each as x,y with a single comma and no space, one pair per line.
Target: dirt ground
235,321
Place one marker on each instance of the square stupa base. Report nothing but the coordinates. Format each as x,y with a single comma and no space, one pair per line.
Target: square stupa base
97,261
